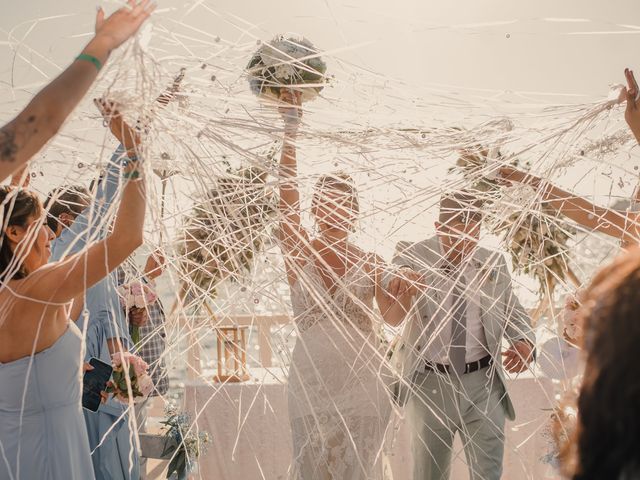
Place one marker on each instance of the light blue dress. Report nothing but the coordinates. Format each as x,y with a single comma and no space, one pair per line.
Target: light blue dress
44,437
110,438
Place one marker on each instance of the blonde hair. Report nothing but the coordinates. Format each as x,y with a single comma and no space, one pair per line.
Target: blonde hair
339,182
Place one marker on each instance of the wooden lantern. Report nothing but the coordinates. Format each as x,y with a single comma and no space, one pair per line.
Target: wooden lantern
232,354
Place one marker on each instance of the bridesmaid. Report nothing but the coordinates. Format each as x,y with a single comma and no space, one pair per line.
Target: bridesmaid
42,430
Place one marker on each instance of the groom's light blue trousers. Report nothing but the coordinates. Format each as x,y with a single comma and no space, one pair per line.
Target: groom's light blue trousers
444,404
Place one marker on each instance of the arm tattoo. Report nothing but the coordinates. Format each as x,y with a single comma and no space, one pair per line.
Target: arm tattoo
8,147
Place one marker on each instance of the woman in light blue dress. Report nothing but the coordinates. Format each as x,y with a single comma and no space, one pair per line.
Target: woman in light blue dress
42,431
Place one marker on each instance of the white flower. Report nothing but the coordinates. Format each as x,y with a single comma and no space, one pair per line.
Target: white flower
145,385
285,71
139,301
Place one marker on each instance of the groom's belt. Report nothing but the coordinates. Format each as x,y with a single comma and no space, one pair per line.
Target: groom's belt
469,367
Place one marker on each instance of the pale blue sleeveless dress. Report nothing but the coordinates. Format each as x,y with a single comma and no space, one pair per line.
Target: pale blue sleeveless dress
44,437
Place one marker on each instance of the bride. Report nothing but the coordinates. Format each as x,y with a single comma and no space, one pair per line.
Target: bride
338,405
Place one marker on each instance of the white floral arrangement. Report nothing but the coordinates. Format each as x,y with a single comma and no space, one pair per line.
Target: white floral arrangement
287,61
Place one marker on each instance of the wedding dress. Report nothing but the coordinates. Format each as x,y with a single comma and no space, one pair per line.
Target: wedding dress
339,408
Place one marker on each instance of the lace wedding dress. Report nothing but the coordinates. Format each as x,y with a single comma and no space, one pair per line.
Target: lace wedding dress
339,408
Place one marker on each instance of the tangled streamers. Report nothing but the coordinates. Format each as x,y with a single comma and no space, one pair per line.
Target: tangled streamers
213,211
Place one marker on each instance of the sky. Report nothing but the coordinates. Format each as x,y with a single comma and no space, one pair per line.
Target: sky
569,47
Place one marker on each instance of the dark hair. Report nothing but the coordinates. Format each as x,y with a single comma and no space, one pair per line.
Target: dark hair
71,199
606,441
460,207
18,207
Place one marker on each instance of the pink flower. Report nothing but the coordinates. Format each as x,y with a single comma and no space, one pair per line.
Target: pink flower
136,288
139,365
136,294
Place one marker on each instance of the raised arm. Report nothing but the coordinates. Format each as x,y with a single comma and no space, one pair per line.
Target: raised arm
578,209
293,237
62,281
90,225
26,134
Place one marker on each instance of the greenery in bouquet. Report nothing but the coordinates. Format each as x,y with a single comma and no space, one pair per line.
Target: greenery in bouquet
536,239
129,370
181,443
227,228
287,61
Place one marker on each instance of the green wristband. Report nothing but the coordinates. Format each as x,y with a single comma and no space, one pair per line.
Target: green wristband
91,59
132,175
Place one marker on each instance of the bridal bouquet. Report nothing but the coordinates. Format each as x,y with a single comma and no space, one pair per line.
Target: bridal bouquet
131,367
227,228
287,61
181,443
136,294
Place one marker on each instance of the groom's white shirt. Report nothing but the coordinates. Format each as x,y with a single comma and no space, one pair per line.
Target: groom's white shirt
437,349
501,314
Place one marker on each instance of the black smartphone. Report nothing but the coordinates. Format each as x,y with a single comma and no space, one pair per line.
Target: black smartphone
95,382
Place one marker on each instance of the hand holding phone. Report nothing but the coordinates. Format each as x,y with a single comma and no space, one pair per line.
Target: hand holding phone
94,383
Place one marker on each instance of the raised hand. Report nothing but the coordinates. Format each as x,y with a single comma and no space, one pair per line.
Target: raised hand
291,110
123,24
129,137
632,113
155,265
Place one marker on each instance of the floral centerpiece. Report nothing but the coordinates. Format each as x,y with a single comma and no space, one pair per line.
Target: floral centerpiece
287,61
181,443
136,294
129,371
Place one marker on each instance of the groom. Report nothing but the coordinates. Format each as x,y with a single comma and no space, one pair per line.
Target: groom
449,356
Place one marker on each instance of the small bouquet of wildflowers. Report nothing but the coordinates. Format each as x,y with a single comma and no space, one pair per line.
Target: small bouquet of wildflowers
181,443
129,369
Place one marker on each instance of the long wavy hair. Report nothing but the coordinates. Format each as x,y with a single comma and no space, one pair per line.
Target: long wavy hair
17,207
605,443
